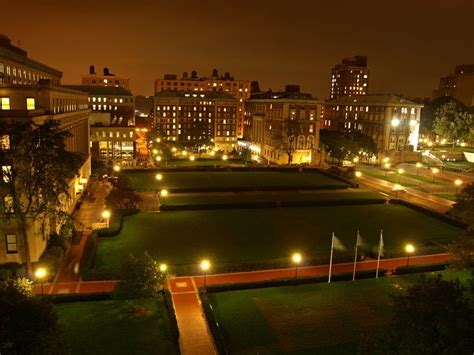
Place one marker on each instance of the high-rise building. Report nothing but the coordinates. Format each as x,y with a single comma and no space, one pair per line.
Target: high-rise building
196,118
282,127
226,83
349,78
459,85
392,121
29,92
104,79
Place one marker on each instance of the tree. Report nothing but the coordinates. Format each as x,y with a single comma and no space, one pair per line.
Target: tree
27,325
463,209
346,144
434,316
122,196
245,155
285,139
462,251
453,123
428,112
36,183
140,278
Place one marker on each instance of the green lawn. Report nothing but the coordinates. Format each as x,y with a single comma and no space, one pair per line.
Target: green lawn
309,319
250,180
282,196
112,327
256,235
203,162
391,177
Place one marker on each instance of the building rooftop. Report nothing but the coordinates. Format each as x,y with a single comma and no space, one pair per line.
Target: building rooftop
375,99
16,54
100,90
167,94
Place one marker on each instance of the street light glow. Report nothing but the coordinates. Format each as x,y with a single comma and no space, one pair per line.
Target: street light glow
184,153
395,122
164,193
355,160
40,273
296,258
418,165
387,165
205,265
458,182
192,158
435,170
158,140
401,171
158,177
163,267
158,158
224,157
174,149
213,153
409,248
117,168
155,151
106,214
358,174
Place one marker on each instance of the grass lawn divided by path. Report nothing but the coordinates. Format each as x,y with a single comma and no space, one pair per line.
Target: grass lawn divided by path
203,162
393,177
113,327
250,180
311,319
255,235
282,196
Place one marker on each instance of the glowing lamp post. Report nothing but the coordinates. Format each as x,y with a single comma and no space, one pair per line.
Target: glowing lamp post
409,249
40,275
163,194
192,158
358,174
355,160
159,177
106,216
296,258
163,267
205,265
400,172
418,166
386,166
434,171
457,183
224,157
154,151
158,158
116,168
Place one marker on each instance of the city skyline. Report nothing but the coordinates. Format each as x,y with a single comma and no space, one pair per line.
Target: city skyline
270,42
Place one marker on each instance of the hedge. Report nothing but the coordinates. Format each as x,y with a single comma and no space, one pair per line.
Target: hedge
212,323
171,315
360,275
272,204
413,269
431,213
330,174
51,259
79,297
116,223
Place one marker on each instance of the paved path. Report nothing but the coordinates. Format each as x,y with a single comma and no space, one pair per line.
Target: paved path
88,214
418,197
194,334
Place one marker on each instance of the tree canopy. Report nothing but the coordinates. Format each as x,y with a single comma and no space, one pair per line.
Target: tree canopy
463,209
453,123
346,144
36,180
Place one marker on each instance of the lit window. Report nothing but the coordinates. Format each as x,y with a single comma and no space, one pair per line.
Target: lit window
121,100
94,99
5,142
12,244
8,204
6,173
30,103
5,103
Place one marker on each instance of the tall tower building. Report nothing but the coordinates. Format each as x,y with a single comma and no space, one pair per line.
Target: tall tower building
459,85
349,78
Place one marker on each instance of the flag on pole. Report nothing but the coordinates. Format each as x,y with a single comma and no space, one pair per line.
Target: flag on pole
335,244
358,244
380,253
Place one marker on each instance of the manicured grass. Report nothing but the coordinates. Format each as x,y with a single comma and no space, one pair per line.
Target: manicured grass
281,196
202,162
112,327
451,197
311,319
425,179
209,181
255,235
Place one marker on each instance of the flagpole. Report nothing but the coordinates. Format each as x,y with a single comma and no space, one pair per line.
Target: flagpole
330,260
378,258
355,257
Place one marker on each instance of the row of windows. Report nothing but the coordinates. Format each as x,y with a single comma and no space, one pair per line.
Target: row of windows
5,103
214,84
111,134
105,100
14,75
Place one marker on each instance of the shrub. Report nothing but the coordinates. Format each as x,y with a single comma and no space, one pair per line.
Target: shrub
414,269
212,323
51,260
171,315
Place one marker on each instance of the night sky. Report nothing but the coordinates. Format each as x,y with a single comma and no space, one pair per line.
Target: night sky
409,44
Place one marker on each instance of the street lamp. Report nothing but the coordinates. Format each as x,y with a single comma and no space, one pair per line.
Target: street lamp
434,171
296,258
158,158
163,194
158,177
184,153
386,166
418,166
116,168
409,249
163,267
155,151
400,172
355,160
106,215
40,275
205,265
224,157
358,174
158,140
174,149
457,182
192,158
